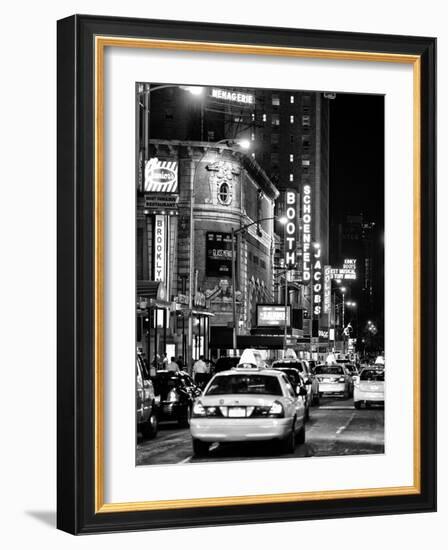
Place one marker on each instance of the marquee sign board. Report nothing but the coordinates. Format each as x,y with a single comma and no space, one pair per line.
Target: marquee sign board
230,96
273,315
161,176
346,272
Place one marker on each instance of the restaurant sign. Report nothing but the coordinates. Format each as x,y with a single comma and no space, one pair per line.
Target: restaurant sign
161,176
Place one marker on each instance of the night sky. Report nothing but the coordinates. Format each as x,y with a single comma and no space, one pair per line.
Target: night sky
357,157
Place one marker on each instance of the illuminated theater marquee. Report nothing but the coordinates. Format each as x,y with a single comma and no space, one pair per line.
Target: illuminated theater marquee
306,239
236,97
312,263
291,229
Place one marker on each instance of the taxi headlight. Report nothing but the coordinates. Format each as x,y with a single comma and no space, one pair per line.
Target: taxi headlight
276,410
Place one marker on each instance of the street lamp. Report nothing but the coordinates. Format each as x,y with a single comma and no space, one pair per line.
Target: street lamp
343,290
146,91
283,221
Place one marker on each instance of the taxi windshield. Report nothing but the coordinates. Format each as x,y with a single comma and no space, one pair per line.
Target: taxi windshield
245,383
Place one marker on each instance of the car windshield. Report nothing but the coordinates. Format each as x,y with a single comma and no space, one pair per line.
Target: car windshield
372,375
245,383
350,367
290,364
324,369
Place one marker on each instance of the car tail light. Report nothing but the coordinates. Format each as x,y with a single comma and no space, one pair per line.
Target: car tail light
198,410
276,410
341,379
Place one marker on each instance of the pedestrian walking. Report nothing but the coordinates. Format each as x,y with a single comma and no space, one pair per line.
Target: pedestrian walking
172,366
201,372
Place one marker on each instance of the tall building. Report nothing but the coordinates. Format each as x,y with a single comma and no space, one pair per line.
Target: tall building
289,134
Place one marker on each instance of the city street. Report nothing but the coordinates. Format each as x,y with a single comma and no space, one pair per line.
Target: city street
335,428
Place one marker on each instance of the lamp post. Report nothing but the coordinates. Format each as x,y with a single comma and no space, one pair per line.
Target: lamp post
145,91
343,290
285,334
235,232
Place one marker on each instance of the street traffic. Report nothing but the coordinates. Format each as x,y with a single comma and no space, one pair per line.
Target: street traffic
255,410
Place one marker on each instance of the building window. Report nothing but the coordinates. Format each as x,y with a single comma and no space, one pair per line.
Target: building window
291,99
252,136
275,120
275,100
253,116
275,139
306,104
291,177
211,135
275,159
255,259
264,117
306,142
291,138
224,195
291,158
238,119
305,121
169,114
253,155
291,119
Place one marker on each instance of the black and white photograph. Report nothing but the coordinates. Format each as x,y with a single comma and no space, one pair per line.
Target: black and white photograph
259,274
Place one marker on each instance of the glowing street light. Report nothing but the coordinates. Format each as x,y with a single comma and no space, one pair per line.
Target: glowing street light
193,90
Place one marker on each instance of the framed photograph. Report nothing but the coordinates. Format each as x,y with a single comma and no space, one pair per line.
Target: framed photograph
246,274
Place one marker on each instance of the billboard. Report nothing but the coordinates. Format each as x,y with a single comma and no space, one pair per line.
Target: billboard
273,315
346,272
218,250
161,176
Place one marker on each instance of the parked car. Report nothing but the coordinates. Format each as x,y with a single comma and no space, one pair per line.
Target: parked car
334,379
369,387
175,394
145,401
248,404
